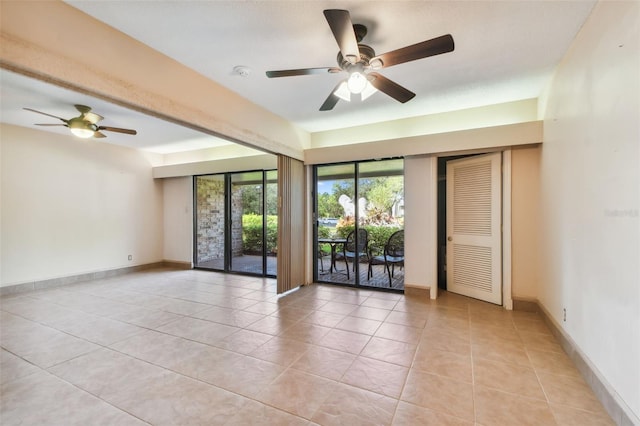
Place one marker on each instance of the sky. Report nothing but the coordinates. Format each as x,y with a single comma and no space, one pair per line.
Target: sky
325,186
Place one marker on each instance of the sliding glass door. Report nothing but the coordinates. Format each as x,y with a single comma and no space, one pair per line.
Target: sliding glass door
358,207
336,221
233,230
271,241
211,220
247,228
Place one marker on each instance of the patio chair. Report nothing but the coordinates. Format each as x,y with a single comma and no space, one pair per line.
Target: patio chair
350,251
321,255
393,255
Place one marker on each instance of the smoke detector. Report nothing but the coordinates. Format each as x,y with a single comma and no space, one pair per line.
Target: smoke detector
242,71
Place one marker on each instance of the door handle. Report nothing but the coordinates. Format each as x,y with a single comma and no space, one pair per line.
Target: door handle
449,238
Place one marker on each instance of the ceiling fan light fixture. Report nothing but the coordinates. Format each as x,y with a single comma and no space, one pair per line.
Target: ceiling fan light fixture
357,82
82,133
81,129
343,92
367,91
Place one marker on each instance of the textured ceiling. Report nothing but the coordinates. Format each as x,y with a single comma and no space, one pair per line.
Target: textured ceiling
504,51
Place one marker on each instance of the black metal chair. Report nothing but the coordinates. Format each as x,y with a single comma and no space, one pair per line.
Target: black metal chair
321,255
393,255
352,252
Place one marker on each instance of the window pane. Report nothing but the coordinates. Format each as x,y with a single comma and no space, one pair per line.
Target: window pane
336,219
246,222
377,204
272,222
210,222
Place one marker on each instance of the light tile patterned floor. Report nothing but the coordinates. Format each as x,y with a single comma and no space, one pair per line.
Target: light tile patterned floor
169,347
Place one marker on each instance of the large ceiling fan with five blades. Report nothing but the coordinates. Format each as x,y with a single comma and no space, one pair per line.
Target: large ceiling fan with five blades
361,62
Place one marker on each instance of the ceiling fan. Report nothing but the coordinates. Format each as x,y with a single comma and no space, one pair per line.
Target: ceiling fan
361,61
85,125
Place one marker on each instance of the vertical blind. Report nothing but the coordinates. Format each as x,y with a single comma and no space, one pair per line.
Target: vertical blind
291,214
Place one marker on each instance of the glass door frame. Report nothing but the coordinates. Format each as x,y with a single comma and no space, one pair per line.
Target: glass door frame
228,223
357,281
316,220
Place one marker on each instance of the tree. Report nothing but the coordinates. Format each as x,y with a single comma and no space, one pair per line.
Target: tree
381,193
252,199
328,206
384,193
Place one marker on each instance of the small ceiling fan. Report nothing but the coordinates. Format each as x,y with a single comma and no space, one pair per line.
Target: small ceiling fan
86,124
361,61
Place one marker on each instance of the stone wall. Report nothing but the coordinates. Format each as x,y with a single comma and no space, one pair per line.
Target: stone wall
210,216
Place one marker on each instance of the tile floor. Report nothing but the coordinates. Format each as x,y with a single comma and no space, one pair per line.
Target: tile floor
169,347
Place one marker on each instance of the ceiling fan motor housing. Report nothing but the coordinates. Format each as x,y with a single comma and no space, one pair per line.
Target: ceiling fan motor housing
366,54
81,123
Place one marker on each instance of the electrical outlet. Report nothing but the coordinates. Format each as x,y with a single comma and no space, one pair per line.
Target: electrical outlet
564,314
130,257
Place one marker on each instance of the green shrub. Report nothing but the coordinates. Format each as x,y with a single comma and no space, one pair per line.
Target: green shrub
272,234
324,232
343,231
252,234
378,235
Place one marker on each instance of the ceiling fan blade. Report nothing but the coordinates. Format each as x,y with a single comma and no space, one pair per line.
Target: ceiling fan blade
92,117
390,88
304,71
44,113
43,124
332,100
435,46
342,29
117,130
98,134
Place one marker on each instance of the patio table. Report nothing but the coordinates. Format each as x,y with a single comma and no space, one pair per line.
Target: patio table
333,242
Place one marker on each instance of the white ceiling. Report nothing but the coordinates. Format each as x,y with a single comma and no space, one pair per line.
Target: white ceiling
504,51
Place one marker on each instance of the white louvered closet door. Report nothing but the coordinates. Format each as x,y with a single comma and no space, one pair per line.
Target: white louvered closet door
474,240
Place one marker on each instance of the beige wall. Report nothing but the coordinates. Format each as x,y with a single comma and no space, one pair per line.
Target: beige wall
590,196
479,140
253,162
178,219
72,206
525,227
420,220
446,122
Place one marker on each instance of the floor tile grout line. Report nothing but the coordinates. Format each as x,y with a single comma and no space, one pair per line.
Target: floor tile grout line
252,398
371,335
47,371
164,369
96,396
